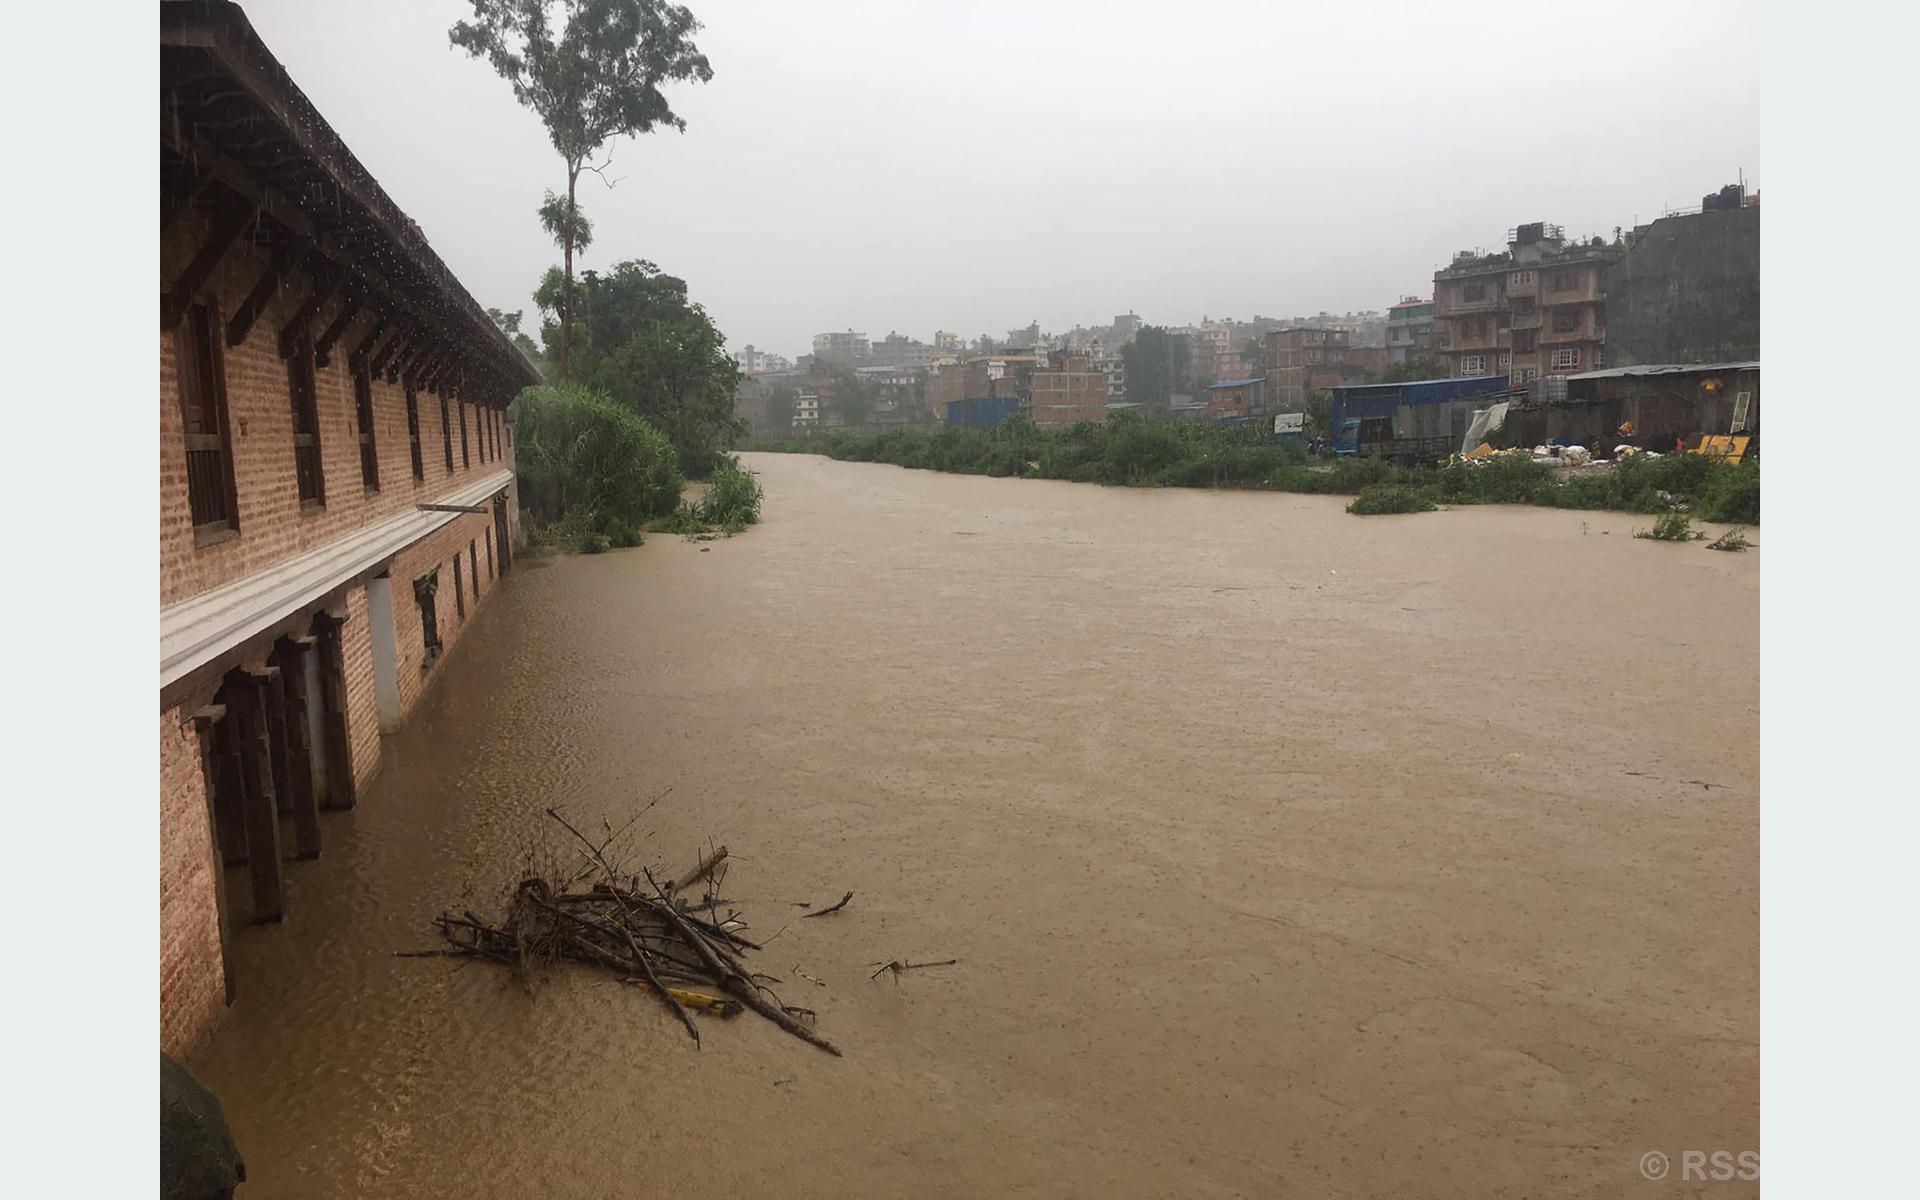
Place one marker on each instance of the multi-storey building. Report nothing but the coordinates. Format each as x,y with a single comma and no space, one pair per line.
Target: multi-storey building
1410,330
1071,389
848,349
1302,360
1211,352
760,362
899,350
337,494
806,409
1538,309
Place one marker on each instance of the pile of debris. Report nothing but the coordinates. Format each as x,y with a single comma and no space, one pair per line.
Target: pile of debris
646,933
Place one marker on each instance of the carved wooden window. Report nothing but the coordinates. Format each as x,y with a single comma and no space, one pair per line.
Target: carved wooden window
363,422
203,405
306,423
413,435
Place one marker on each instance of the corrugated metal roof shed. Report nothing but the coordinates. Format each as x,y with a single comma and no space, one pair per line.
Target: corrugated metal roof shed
1667,369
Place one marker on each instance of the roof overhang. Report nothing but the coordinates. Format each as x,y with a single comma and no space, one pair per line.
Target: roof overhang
230,114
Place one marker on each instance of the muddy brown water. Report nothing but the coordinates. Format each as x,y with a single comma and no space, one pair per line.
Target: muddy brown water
1284,852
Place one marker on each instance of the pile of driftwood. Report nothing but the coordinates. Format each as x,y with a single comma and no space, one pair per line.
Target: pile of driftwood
647,933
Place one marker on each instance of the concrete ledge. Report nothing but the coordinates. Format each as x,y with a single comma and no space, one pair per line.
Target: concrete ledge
196,630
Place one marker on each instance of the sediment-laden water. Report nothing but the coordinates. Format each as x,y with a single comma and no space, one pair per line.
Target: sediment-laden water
1284,852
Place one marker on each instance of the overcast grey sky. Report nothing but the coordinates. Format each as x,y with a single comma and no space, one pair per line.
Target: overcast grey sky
973,166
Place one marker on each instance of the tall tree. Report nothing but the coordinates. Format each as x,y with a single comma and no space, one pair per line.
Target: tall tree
566,223
595,79
1156,365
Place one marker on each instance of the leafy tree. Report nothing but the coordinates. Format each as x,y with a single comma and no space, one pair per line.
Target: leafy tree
853,399
780,401
595,79
1320,411
1156,365
509,323
565,222
552,297
678,375
632,296
641,341
1255,354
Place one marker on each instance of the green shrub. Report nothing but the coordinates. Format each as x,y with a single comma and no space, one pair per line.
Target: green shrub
1671,526
732,499
1389,498
1129,450
682,520
584,461
1731,495
1732,540
623,533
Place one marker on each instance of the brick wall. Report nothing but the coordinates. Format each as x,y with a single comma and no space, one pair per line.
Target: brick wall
192,981
416,560
273,527
363,709
260,416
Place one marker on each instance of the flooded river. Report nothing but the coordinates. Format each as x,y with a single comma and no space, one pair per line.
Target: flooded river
1283,852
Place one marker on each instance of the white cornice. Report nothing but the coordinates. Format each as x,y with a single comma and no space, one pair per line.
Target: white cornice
196,630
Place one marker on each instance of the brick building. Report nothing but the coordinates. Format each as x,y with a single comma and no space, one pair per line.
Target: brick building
1303,360
1071,389
1536,310
982,377
336,486
1237,400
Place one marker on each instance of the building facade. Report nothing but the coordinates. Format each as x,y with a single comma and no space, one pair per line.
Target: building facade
848,349
1410,330
1303,360
1537,310
754,361
1688,290
1071,389
1236,400
336,488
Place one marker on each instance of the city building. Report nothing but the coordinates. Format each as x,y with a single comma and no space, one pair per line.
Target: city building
848,349
337,492
1410,330
806,408
980,377
760,362
1125,326
1024,339
1538,309
1213,353
1688,288
898,350
1236,401
1070,389
1300,361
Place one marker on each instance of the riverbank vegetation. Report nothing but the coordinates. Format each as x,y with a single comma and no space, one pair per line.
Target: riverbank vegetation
1128,451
